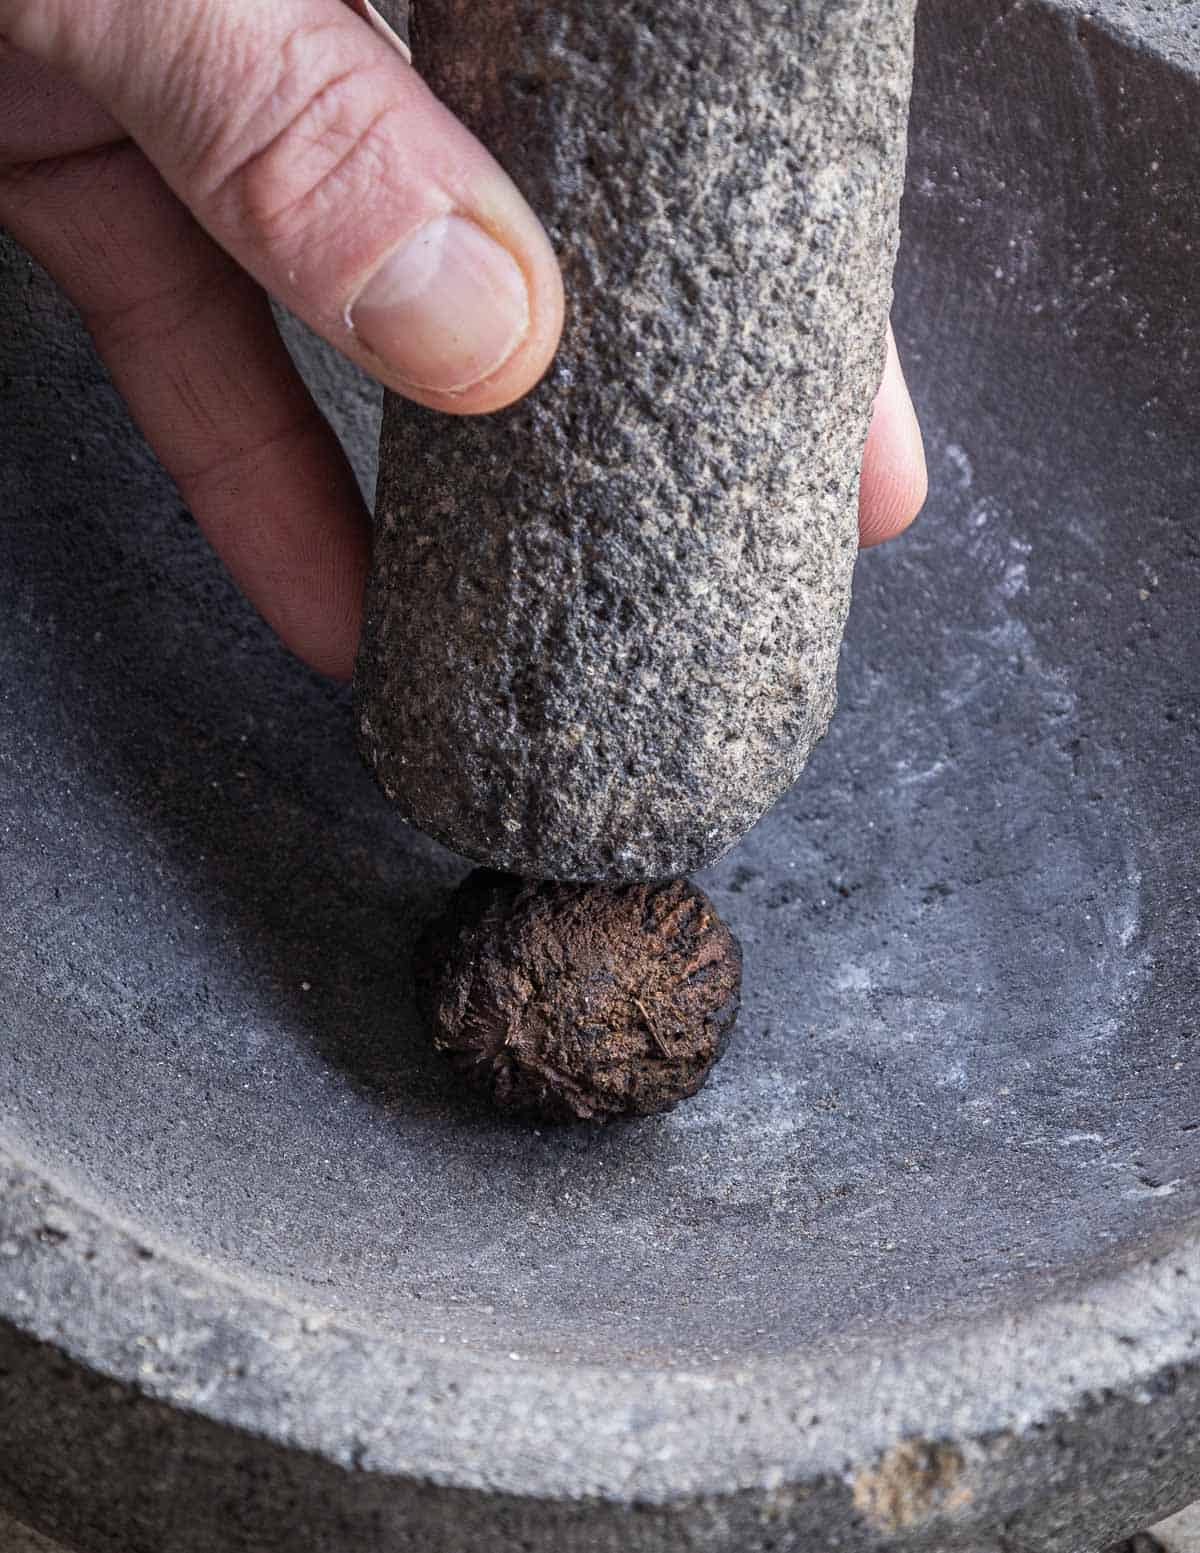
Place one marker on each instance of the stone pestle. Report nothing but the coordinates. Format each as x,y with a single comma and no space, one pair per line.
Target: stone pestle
602,627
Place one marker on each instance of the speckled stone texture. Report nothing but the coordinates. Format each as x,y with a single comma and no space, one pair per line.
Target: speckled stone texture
15,1538
603,626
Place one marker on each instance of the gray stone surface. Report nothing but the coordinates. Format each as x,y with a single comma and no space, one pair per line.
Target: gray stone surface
15,1538
919,1269
1180,1533
603,627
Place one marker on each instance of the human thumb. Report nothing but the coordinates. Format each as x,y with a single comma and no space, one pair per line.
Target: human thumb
313,152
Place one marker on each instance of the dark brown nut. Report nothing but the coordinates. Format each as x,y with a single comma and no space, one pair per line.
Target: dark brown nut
580,1002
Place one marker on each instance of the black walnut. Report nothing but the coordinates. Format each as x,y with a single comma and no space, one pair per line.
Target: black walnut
580,1002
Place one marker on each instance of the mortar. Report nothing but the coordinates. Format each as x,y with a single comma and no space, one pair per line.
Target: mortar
919,1268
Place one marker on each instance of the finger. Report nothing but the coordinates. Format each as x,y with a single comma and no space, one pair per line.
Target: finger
894,478
317,157
43,113
191,346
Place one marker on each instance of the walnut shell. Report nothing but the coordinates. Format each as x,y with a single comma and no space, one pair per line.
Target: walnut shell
580,1002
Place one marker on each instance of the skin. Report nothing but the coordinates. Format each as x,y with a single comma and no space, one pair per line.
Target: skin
170,165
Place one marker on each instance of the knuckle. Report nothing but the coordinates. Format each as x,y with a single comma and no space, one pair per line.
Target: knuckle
316,130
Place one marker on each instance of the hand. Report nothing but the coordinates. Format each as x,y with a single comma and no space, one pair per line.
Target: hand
171,164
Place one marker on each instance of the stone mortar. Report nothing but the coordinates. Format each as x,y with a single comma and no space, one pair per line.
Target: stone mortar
918,1269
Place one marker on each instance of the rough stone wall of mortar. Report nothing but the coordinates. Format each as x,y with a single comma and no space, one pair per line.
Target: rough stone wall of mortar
1180,1533
15,1538
1177,1534
1168,27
